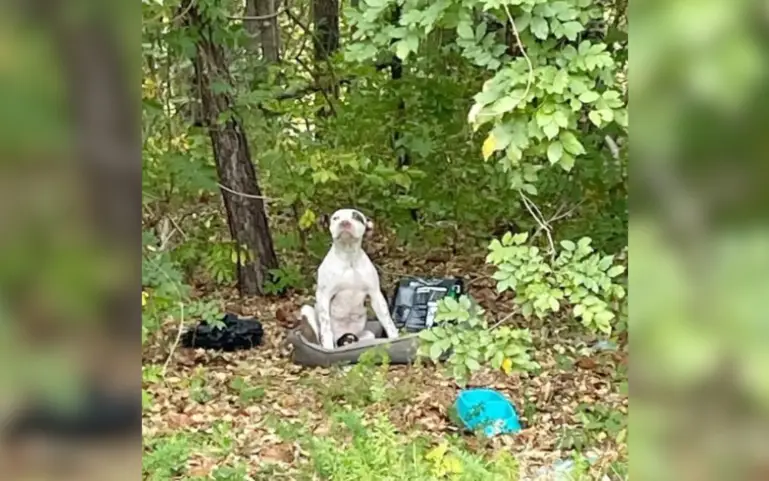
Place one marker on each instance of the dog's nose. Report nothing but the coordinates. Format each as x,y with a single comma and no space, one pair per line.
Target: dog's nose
345,224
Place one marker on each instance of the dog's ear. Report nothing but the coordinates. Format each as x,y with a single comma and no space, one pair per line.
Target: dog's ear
325,221
369,228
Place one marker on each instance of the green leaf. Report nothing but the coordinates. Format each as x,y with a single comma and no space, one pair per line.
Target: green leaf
520,238
428,335
561,119
595,117
568,245
530,189
572,30
551,130
554,151
615,271
402,49
604,316
589,96
578,310
607,114
496,361
621,117
472,364
504,105
554,305
561,81
539,27
584,242
571,144
435,351
605,262
577,85
465,30
567,162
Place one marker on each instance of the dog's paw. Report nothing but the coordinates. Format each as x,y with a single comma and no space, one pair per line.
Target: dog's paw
346,339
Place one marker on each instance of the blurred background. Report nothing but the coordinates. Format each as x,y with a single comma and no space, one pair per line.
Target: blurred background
70,170
699,240
70,238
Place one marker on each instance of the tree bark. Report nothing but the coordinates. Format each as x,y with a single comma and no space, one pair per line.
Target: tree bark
264,28
246,216
325,14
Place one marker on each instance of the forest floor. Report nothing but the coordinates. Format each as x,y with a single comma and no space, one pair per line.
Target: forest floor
255,415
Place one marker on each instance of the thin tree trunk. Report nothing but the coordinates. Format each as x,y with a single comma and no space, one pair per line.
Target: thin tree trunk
325,14
246,216
396,73
265,30
105,121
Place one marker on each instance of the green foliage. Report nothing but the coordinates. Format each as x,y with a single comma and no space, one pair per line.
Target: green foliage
462,332
577,277
375,446
562,80
596,424
366,383
166,458
247,393
454,51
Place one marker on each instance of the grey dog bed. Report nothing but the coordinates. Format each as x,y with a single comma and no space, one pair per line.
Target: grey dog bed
402,350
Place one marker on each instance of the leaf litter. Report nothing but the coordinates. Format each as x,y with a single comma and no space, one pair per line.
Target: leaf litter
199,396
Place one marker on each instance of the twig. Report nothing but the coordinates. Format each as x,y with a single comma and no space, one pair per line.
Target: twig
176,225
243,194
178,337
558,216
268,16
612,146
530,78
181,318
178,16
501,321
533,210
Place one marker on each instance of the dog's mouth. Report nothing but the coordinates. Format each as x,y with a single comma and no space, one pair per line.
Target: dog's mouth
346,234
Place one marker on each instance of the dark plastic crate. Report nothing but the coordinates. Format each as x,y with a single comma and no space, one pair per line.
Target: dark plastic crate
414,302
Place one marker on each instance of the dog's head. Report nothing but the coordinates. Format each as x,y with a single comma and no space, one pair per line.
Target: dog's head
349,225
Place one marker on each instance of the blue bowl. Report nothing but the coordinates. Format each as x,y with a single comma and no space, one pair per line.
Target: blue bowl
488,410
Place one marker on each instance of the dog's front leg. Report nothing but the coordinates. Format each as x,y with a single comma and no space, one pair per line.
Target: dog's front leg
323,309
382,311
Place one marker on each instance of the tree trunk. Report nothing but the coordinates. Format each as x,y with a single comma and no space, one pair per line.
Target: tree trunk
265,28
325,14
246,216
396,73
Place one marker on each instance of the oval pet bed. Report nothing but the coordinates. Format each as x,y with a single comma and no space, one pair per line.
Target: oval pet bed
402,350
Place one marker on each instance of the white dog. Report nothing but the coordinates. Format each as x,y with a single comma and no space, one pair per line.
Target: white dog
345,278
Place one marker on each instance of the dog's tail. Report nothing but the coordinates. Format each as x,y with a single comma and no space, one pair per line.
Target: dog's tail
308,313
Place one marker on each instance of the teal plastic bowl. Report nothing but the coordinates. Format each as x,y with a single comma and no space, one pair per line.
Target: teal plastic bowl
486,410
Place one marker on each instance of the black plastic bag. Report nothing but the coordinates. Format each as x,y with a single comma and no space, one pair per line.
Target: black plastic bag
235,334
415,300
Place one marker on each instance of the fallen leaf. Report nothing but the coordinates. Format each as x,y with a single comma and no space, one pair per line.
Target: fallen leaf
283,453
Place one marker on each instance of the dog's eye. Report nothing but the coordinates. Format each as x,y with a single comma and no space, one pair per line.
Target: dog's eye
335,218
359,218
